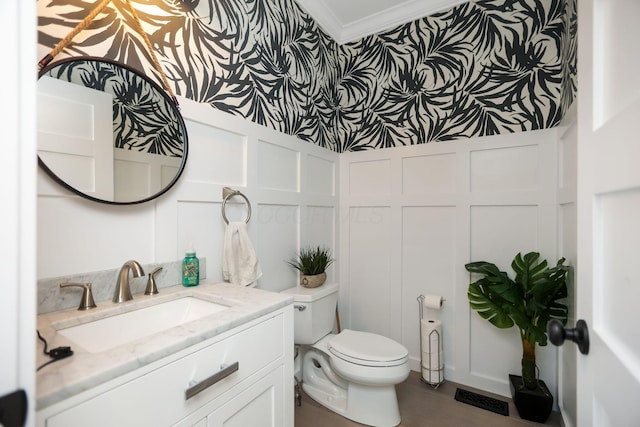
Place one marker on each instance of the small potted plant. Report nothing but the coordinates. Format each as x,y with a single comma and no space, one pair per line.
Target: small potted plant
529,301
312,263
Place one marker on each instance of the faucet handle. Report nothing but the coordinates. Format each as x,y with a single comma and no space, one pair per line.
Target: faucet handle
152,289
86,302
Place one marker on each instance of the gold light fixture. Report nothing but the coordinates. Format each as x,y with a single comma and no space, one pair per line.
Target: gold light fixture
86,21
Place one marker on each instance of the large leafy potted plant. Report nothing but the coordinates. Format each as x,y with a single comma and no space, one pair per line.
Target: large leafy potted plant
528,301
312,262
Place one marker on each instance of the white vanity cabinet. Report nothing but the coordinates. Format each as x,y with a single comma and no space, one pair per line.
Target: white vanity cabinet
255,405
242,377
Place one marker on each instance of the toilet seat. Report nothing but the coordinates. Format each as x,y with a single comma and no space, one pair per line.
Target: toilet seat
367,349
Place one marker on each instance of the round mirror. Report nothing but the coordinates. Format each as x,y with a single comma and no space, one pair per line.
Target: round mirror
107,132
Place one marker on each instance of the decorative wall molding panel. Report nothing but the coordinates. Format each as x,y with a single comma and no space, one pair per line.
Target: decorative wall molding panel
290,184
418,214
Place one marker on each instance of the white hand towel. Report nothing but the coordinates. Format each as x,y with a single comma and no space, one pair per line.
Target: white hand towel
239,262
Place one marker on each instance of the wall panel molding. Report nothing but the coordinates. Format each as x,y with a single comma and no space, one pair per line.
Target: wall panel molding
224,151
445,205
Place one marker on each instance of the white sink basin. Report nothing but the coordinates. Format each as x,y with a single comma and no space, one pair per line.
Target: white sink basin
110,332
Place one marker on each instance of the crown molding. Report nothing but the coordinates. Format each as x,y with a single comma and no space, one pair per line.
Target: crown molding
375,23
324,17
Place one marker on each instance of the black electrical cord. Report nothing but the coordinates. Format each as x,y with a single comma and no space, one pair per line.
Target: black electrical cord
55,354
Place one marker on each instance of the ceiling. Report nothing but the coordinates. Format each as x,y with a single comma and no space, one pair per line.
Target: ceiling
349,20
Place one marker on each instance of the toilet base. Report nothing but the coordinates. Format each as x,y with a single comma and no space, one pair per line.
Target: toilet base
369,402
373,406
337,404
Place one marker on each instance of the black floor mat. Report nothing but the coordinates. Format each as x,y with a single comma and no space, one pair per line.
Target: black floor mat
489,403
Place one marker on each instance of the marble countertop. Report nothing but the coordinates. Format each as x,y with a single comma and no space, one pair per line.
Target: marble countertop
84,370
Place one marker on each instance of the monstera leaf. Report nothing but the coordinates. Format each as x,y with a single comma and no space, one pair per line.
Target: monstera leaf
527,301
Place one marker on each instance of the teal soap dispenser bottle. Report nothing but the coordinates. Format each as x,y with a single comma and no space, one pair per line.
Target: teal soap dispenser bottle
190,269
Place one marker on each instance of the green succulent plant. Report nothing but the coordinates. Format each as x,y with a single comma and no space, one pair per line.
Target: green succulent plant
529,301
312,260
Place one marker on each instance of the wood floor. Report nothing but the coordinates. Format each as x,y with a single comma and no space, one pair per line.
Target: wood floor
421,406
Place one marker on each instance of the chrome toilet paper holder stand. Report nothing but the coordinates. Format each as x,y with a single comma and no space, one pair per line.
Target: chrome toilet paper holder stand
439,373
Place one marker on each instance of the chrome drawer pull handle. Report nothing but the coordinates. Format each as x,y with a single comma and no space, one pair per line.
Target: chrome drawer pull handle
202,385
300,307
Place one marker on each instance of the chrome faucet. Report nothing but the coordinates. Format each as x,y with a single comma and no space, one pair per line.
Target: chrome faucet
123,292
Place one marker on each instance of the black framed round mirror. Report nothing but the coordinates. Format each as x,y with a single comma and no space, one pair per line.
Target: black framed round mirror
108,133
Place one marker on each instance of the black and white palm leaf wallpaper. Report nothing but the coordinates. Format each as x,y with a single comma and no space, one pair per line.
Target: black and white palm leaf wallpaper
145,119
484,67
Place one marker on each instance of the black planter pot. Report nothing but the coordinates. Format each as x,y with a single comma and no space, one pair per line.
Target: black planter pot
533,405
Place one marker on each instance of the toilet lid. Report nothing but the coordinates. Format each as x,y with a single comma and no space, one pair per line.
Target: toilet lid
367,349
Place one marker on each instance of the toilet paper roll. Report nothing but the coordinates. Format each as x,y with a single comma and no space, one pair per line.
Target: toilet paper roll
431,335
432,361
433,302
433,376
433,354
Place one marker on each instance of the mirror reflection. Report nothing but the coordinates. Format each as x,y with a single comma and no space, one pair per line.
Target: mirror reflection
107,133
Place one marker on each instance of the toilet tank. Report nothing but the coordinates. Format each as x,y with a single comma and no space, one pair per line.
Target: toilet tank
314,312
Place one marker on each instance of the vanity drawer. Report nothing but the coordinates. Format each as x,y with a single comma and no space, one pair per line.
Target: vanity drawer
160,397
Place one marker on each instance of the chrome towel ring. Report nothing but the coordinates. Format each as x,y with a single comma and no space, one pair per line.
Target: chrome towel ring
228,193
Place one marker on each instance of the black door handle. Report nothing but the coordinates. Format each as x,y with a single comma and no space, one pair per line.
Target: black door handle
13,409
579,335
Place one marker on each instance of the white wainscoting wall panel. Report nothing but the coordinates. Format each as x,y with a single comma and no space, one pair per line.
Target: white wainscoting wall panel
79,236
428,261
370,177
369,277
408,218
279,167
291,185
418,214
277,242
320,176
505,169
220,155
432,174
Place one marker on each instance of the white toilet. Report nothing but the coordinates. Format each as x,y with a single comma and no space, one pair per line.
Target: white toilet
352,373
